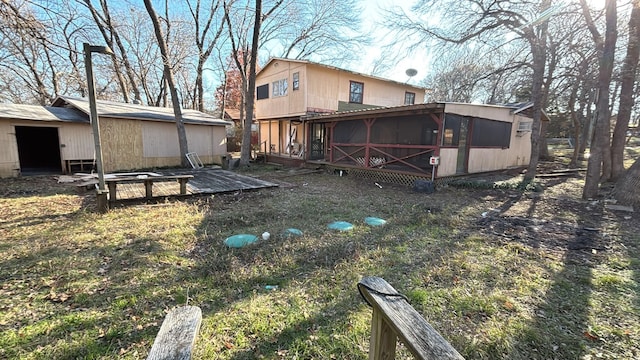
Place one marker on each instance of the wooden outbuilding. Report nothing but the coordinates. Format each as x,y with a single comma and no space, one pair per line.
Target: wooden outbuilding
59,138
424,140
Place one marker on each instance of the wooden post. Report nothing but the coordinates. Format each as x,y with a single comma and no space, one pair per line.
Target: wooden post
383,339
183,185
101,194
112,192
394,317
148,188
177,335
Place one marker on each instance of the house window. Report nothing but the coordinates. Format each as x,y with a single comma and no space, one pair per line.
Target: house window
356,89
262,92
280,88
409,98
296,81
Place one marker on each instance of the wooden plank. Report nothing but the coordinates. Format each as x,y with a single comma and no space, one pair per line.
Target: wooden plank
177,335
383,339
422,340
199,181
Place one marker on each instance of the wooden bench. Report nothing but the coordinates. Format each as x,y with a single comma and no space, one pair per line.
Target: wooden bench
394,318
177,335
147,181
90,163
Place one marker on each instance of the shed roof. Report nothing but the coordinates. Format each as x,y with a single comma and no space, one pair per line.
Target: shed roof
69,109
136,111
43,113
526,108
416,108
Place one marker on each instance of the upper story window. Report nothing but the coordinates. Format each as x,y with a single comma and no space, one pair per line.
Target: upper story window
356,89
409,98
280,88
296,81
262,92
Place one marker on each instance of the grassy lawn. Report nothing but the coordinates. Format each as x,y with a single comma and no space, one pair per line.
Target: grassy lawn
499,273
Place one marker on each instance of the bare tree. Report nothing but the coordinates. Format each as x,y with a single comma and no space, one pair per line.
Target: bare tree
626,190
326,29
30,57
204,42
486,22
246,60
146,60
103,19
182,135
599,165
626,101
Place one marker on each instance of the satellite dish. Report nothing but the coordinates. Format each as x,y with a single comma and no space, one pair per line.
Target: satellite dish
410,73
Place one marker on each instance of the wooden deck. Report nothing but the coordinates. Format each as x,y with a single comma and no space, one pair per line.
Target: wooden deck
205,181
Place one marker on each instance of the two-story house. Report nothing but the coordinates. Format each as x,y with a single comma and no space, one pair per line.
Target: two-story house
289,91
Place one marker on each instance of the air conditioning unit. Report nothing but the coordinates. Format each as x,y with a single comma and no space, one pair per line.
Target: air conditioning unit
524,127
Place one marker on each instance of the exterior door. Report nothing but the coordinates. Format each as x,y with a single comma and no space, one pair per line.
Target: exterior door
318,135
38,149
463,147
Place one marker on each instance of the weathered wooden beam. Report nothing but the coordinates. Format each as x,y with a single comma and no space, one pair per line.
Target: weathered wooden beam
177,335
392,313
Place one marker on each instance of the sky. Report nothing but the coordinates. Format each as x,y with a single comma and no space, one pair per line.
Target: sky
371,18
420,61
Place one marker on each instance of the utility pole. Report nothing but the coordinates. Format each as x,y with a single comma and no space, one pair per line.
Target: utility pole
101,195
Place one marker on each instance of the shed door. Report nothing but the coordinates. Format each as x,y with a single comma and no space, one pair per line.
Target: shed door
38,149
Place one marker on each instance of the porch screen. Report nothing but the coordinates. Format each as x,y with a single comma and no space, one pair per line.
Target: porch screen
350,132
409,130
491,133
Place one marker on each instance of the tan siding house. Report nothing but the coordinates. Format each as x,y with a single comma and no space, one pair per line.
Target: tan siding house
290,90
59,138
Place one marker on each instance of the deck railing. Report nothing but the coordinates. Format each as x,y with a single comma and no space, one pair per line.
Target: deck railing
395,319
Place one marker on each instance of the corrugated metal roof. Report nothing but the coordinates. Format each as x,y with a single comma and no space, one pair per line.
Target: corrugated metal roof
139,112
69,109
375,111
514,108
43,113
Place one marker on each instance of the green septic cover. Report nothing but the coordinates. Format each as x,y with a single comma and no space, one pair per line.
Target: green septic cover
374,221
340,225
292,232
240,240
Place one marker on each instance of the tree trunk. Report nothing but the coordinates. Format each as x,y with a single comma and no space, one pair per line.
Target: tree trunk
600,142
539,51
626,190
571,105
182,135
626,93
544,147
587,128
245,149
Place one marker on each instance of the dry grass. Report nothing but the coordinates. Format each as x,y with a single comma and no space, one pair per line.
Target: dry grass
526,280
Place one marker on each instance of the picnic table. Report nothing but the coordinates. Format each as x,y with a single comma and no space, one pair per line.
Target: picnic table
148,181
